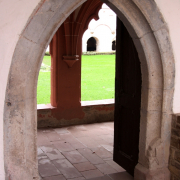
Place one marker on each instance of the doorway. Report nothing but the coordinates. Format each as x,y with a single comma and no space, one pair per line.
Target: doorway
157,86
114,45
91,44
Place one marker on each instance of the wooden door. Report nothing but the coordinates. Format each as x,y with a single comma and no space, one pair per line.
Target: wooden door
127,101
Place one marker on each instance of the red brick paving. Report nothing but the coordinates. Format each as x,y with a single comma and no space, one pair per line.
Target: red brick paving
78,153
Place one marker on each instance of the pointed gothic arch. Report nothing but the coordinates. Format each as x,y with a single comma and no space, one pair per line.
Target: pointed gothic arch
151,38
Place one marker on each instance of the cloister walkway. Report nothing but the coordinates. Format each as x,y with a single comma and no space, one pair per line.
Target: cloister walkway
78,152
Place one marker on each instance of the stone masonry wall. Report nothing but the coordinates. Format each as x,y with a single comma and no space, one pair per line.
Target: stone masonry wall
174,161
92,114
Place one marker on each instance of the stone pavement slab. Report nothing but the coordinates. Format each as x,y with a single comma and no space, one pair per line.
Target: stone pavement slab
91,156
74,157
47,168
85,166
92,174
121,176
63,146
66,168
59,177
106,168
78,153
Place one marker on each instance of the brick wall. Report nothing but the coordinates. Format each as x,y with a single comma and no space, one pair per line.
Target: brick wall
174,161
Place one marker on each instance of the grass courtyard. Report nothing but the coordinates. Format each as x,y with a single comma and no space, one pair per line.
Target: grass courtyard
97,78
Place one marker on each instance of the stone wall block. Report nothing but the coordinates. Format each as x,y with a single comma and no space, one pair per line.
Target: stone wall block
168,70
177,164
178,120
69,6
141,27
40,20
175,142
174,171
153,59
21,149
177,156
167,100
142,173
50,5
163,40
149,133
164,43
51,27
142,139
166,126
172,152
130,12
151,99
173,177
166,135
177,126
175,132
14,126
155,154
151,12
174,121
144,98
31,129
19,84
151,128
174,157
144,65
153,125
92,114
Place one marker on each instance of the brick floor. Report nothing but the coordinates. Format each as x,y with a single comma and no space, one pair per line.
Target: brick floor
78,152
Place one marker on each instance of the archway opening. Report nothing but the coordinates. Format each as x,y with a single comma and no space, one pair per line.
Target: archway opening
155,83
78,142
96,83
114,45
91,44
58,145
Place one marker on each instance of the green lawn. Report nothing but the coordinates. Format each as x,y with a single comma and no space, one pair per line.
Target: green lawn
97,79
43,89
47,60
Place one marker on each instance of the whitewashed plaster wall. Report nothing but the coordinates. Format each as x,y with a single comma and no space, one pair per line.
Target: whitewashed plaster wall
171,12
103,30
14,16
103,37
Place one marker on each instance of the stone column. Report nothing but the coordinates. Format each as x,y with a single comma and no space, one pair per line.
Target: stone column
65,77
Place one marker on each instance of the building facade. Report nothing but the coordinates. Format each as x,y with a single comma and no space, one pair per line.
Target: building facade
103,31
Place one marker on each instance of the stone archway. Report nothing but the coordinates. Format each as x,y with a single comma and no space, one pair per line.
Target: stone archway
150,35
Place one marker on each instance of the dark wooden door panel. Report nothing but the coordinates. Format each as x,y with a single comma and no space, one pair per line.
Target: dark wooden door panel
127,101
